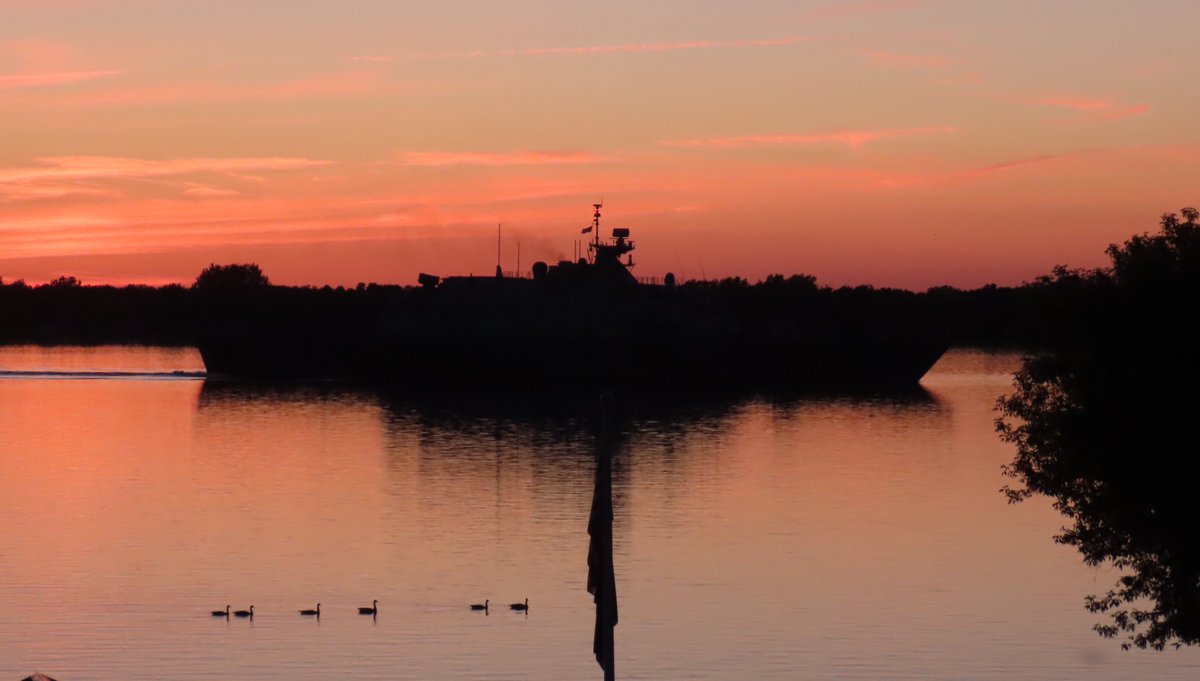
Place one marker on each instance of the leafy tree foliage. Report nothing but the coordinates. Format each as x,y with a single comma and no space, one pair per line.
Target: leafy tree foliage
65,282
1105,428
228,278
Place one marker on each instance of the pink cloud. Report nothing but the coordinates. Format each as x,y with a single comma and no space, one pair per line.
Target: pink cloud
39,54
1151,69
162,226
15,81
1078,104
961,80
1019,163
1115,155
34,192
65,176
907,61
611,49
515,158
1119,113
864,8
207,191
859,179
854,139
345,84
294,214
661,47
110,167
1092,110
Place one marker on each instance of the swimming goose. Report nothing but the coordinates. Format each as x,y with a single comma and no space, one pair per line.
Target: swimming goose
371,610
480,606
520,606
316,612
244,613
221,613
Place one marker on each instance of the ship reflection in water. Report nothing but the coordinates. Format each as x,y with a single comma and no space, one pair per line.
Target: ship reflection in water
602,579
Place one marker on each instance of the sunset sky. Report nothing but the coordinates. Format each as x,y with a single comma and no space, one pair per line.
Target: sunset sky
893,142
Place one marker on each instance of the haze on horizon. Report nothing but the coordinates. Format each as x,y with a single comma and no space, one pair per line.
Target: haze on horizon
900,143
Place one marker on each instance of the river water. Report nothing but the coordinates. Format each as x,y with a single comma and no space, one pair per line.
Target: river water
754,538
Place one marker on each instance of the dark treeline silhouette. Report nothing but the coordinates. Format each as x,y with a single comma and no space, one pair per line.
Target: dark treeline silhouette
1037,314
65,311
1104,424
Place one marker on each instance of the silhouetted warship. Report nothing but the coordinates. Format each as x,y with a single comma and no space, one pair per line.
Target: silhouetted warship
587,322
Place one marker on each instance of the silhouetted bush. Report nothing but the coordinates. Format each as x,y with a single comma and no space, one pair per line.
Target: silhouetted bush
229,278
1104,426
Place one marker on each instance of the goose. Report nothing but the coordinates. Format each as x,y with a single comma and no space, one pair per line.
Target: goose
316,612
371,610
480,606
221,613
520,606
244,613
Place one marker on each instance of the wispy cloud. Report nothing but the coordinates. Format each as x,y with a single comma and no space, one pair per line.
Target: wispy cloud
1091,109
296,214
1151,68
182,224
854,139
1119,113
907,61
207,191
868,7
52,190
514,158
968,79
61,176
323,85
620,48
1020,163
659,47
95,167
1078,104
13,81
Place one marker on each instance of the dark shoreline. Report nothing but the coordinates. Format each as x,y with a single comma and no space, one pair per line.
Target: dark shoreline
1037,315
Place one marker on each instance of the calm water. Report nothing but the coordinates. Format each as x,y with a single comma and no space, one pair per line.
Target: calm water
812,539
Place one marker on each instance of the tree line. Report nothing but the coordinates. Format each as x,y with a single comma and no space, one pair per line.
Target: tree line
1032,315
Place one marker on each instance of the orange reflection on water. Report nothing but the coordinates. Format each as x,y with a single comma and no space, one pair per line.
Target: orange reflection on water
83,472
820,538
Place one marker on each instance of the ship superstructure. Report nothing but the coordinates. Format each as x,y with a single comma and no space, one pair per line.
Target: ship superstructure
510,330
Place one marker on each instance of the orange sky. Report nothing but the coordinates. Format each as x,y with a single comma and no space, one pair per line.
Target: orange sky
893,142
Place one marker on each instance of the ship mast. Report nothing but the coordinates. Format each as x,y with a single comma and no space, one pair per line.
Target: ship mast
596,229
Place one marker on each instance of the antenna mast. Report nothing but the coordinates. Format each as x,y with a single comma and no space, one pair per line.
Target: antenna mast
596,227
499,271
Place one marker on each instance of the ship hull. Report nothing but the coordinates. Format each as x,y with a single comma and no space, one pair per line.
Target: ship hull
481,331
424,359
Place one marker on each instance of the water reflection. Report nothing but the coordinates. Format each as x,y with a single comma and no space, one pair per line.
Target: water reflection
602,579
480,490
756,536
